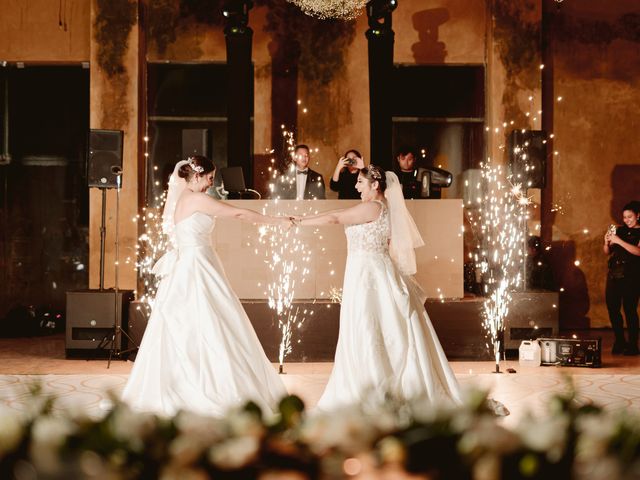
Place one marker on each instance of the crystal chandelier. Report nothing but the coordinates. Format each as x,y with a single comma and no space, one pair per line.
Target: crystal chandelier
340,9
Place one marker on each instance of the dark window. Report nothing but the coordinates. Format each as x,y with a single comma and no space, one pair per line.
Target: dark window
438,91
185,97
44,199
439,111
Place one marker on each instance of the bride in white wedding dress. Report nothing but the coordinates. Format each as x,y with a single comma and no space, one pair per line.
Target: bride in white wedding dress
386,341
199,351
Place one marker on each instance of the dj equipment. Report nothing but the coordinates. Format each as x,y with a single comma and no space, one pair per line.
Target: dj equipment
571,352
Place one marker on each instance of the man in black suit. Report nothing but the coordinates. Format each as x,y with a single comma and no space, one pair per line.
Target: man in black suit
299,182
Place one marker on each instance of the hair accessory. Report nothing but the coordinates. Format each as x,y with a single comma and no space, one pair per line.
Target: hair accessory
194,167
376,172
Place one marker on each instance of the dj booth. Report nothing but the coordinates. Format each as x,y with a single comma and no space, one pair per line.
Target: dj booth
457,320
440,261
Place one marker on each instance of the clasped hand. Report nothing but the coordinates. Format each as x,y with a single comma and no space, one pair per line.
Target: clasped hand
288,221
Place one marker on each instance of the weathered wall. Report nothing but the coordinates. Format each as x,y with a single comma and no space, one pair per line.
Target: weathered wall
513,71
439,31
44,31
596,63
114,106
597,169
333,70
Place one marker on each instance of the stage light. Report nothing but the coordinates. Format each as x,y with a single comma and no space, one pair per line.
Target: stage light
237,14
437,176
377,9
432,180
236,8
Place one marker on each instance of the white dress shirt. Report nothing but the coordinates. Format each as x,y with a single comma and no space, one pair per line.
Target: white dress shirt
301,183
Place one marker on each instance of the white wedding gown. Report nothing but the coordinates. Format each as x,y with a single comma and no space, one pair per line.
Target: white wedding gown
386,341
199,351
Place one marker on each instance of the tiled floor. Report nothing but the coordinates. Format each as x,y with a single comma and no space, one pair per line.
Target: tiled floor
84,384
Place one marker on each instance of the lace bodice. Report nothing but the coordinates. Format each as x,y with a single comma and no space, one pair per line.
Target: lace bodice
372,237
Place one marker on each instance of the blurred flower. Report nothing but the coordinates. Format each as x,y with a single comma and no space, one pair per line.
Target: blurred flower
547,434
346,429
131,427
179,473
48,435
234,453
392,450
11,430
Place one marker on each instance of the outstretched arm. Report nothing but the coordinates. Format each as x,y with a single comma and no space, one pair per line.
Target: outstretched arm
216,208
361,213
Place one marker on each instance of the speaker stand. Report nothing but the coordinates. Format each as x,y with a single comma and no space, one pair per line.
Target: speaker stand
115,342
103,236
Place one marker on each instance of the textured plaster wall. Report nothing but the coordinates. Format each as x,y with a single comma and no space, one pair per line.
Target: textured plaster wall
513,71
30,31
333,69
434,32
114,106
597,169
440,31
596,69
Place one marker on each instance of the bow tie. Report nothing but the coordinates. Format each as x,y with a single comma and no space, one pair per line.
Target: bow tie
302,172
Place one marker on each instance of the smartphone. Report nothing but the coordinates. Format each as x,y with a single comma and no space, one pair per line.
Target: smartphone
612,229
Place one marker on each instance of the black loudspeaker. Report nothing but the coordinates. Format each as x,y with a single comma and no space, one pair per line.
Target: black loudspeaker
91,315
528,157
104,162
195,141
138,319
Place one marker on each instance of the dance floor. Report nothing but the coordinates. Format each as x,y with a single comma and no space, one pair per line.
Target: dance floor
87,384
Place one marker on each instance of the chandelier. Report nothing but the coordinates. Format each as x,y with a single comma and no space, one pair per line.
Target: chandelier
340,9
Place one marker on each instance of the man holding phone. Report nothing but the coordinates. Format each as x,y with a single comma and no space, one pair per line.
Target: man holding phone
345,175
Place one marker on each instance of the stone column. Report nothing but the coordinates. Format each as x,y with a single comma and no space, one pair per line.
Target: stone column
380,37
114,106
239,37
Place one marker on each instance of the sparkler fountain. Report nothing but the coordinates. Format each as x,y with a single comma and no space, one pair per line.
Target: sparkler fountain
501,216
152,244
287,257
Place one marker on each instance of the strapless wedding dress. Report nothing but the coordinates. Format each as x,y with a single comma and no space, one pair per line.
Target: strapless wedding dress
199,351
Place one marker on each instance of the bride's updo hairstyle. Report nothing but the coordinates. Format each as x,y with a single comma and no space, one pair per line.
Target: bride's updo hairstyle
373,173
197,164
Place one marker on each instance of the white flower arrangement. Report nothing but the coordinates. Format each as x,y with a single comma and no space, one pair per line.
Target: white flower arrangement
11,430
575,441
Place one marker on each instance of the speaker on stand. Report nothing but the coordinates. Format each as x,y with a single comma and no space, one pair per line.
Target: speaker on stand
90,311
195,141
528,157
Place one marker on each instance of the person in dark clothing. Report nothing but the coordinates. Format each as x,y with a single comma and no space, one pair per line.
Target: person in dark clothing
539,274
345,175
407,172
299,182
622,244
